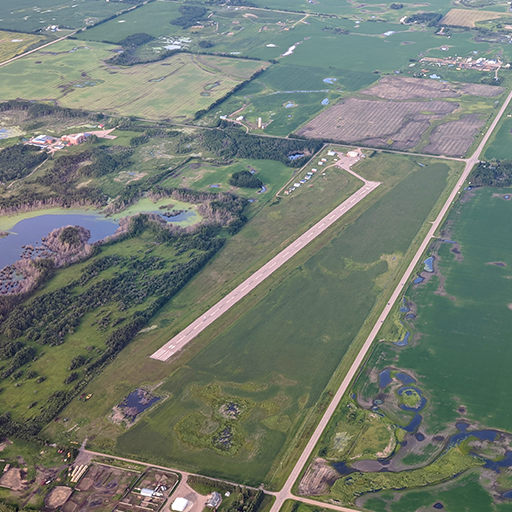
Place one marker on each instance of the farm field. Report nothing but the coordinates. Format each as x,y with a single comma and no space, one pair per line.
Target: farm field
500,146
444,315
245,368
75,76
27,16
469,18
13,43
407,124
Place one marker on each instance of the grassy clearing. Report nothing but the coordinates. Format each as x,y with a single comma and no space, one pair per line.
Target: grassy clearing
79,79
265,357
205,176
297,506
500,144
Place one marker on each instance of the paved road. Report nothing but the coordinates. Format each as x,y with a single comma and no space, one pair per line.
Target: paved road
189,333
286,493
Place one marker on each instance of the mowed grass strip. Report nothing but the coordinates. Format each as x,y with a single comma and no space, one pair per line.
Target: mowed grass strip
469,18
76,76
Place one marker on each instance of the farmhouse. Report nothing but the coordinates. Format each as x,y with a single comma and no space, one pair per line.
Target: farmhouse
214,501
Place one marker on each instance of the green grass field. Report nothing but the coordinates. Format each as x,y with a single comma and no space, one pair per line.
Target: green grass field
460,495
263,361
26,16
206,177
79,79
500,144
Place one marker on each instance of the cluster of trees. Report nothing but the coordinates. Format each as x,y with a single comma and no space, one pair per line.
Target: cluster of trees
430,18
70,235
396,6
496,173
37,110
245,179
232,142
130,44
190,15
19,161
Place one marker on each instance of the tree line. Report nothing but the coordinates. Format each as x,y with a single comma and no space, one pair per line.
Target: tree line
232,142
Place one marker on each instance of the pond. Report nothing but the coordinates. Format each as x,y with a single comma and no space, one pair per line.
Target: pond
28,228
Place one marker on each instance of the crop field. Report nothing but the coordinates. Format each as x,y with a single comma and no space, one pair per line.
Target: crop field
463,301
454,138
377,123
75,76
406,124
28,16
14,43
500,145
152,18
404,88
261,363
469,17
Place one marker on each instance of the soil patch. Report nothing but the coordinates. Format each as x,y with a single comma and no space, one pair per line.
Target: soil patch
58,496
318,479
398,125
395,88
454,138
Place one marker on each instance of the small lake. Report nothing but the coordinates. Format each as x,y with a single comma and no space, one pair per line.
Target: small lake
30,227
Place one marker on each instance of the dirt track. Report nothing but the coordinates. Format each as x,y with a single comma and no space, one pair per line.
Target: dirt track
188,334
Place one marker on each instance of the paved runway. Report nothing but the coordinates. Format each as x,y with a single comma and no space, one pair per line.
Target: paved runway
190,332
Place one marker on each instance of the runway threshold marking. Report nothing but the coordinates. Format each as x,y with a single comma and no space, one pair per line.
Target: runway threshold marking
196,327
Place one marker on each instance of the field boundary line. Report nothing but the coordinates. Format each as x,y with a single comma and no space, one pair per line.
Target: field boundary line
181,339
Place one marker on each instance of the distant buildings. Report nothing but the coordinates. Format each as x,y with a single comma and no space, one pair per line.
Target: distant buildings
75,139
43,140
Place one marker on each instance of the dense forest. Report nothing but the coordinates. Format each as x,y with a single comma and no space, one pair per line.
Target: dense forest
232,142
19,161
497,173
245,179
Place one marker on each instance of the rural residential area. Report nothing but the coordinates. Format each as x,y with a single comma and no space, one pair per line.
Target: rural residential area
255,256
